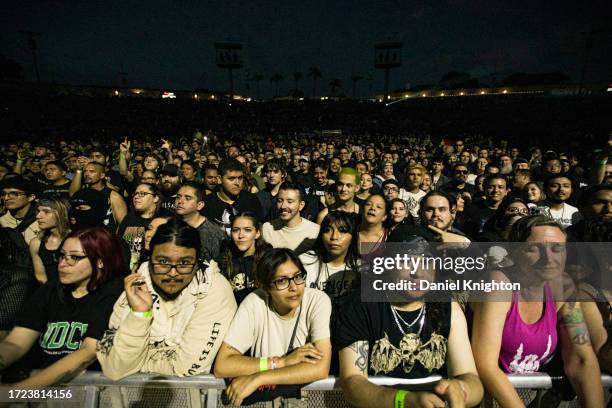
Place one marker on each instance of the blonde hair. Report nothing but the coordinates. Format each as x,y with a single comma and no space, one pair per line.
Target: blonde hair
59,206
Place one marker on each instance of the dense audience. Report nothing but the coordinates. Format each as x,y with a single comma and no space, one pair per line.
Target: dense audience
241,252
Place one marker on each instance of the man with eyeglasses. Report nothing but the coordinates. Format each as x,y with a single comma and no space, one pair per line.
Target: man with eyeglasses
18,195
173,314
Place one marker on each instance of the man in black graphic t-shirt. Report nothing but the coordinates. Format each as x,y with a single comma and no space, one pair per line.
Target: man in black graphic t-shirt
231,199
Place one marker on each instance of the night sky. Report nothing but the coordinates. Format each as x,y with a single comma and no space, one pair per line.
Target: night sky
170,43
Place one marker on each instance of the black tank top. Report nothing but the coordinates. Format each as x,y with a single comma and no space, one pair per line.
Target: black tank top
109,220
49,260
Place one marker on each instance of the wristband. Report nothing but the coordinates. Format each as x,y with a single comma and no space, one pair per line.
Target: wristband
400,396
598,161
19,160
263,364
147,314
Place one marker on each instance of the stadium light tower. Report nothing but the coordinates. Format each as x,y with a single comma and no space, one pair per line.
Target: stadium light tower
229,56
388,55
34,48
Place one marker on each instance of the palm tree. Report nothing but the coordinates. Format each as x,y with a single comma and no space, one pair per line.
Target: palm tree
257,78
334,84
355,79
315,73
296,79
276,78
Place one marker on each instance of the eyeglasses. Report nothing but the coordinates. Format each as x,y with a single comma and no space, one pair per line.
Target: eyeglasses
165,268
461,172
12,194
71,260
516,210
142,194
283,283
390,189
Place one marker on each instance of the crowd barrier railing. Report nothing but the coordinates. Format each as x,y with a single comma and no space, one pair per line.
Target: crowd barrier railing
201,391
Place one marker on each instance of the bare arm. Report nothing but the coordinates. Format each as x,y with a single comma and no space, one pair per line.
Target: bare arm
64,369
460,361
118,207
322,215
75,184
16,345
37,263
487,329
124,156
579,360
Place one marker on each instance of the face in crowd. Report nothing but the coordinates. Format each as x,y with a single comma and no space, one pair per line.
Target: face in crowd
211,178
398,212
347,187
187,202
437,211
375,210
336,240
93,173
245,234
461,173
274,176
289,204
496,190
172,267
559,189
232,182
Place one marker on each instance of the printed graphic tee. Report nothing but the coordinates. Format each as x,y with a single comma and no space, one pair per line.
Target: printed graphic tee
63,321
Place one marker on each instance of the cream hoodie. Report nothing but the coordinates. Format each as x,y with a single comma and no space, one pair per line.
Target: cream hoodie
181,339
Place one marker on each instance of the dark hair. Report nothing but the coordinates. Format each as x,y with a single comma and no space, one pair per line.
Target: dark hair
99,244
191,164
209,167
275,164
550,178
288,185
153,189
271,260
20,183
58,163
230,251
523,172
499,219
180,234
199,193
452,200
230,164
322,164
521,230
492,177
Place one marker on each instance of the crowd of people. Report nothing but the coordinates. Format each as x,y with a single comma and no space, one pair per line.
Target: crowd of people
245,260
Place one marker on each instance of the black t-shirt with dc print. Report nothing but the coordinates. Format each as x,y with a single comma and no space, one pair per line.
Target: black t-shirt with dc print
63,321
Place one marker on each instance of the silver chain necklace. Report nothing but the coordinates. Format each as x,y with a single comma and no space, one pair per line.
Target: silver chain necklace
420,318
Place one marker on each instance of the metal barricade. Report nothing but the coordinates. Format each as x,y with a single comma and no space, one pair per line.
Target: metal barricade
204,391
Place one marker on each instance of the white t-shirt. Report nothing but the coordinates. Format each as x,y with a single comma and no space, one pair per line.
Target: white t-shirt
300,238
258,327
336,281
568,215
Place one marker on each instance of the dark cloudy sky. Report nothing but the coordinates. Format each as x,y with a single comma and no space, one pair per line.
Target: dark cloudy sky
170,43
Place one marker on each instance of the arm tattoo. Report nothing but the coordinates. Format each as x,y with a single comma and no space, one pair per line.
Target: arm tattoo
70,374
361,348
576,326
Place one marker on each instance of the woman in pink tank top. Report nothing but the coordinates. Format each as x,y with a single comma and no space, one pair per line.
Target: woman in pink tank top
519,336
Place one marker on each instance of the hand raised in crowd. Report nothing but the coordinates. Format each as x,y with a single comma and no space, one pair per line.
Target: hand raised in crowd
241,387
124,148
166,144
138,294
308,353
83,161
